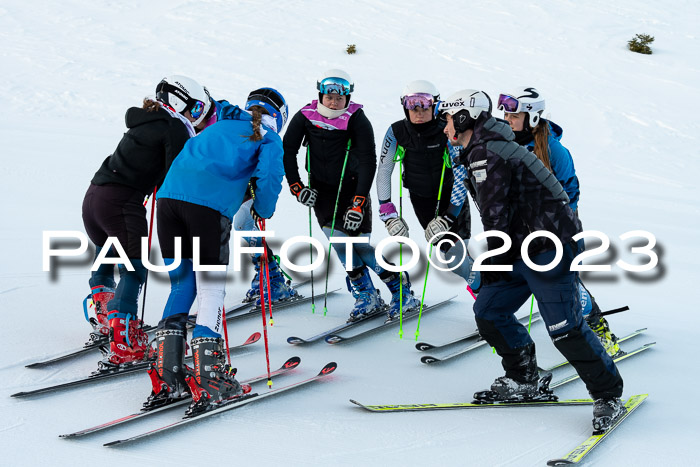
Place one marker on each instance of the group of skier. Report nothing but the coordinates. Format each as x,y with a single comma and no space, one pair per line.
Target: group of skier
519,175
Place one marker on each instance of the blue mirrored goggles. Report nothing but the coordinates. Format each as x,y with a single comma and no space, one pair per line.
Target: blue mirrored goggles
197,108
335,86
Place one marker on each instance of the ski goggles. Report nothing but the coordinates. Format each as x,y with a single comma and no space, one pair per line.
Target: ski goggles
417,100
196,107
335,86
509,104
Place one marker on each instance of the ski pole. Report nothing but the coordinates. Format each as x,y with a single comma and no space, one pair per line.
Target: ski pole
150,236
398,157
267,279
223,317
311,248
335,211
430,252
262,306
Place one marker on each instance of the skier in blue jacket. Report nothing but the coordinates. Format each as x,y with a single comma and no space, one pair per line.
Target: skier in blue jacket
202,191
523,109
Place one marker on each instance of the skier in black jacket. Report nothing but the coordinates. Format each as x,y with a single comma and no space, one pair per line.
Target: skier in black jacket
113,206
517,195
341,155
418,142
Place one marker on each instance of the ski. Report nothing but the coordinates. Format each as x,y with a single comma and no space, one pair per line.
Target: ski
575,376
110,373
276,306
621,339
381,311
429,360
248,305
289,365
232,404
87,347
467,405
336,338
424,346
575,456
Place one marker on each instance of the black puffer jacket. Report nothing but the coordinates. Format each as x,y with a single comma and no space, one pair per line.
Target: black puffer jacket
145,152
327,151
514,191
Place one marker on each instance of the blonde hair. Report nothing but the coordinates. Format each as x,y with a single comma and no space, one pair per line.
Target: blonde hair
150,105
257,112
541,136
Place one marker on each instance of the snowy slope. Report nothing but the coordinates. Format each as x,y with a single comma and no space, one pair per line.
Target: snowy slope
72,68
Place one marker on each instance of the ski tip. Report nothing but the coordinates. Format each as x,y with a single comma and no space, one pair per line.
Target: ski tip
423,346
35,365
253,338
292,362
357,403
333,339
295,340
19,394
559,462
113,443
328,369
429,360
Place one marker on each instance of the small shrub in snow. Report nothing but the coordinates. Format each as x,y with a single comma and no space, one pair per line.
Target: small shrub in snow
351,49
640,44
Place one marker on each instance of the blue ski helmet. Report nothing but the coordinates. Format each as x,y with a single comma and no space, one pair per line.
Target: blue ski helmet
272,101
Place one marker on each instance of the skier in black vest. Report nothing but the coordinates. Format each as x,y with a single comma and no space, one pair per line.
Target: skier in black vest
419,143
517,195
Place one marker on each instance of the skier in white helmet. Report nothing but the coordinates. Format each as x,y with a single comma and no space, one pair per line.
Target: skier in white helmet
113,206
419,144
523,108
341,161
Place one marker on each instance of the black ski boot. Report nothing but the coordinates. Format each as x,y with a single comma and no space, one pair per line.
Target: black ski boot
606,411
168,371
213,380
521,382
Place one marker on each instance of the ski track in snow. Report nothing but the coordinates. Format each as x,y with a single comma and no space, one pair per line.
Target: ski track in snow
628,119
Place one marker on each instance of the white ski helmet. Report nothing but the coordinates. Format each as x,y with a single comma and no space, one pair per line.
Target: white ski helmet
465,107
183,94
419,93
523,100
335,81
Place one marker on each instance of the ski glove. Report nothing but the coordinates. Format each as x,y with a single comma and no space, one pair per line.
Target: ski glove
387,211
438,227
397,227
305,195
355,214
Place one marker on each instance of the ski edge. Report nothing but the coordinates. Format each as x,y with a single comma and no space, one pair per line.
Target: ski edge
465,405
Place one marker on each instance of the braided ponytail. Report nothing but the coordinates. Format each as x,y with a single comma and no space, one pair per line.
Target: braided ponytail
257,112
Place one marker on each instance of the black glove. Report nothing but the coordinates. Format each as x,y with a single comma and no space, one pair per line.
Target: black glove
306,196
354,214
438,226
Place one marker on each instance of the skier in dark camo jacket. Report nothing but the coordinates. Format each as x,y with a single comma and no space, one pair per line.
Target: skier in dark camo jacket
517,195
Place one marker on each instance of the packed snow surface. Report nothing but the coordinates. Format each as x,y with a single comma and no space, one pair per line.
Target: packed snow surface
72,68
